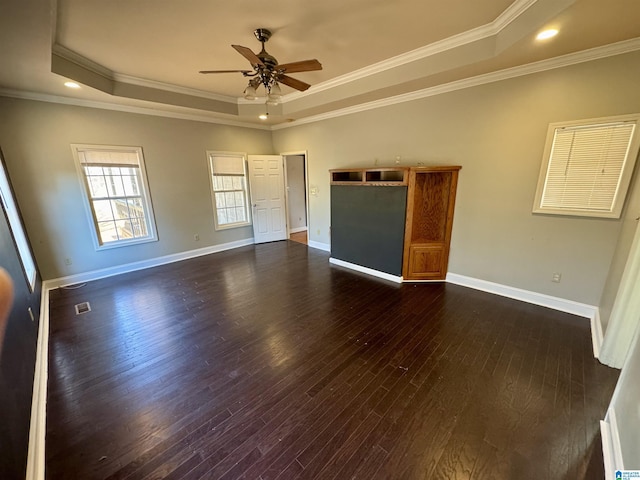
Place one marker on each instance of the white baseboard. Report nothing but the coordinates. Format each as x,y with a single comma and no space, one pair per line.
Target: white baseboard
153,262
37,428
611,449
556,303
596,333
298,230
320,246
368,271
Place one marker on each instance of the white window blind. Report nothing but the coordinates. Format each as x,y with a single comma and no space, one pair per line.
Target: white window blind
587,169
227,165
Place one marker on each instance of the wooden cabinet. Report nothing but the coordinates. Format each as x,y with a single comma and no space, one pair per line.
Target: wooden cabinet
430,205
394,220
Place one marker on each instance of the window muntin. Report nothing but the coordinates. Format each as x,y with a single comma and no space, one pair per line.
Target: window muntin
229,190
587,167
117,194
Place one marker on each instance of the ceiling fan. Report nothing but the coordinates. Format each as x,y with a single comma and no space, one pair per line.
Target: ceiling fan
266,70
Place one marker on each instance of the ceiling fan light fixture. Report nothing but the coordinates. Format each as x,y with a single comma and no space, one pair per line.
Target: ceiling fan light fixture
275,91
250,92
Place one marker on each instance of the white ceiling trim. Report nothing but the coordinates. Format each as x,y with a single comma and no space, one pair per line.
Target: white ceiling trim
516,9
24,95
513,12
90,65
81,61
613,49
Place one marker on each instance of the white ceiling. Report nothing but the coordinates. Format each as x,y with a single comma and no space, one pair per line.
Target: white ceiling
147,53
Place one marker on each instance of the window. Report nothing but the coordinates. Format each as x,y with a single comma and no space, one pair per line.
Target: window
15,225
117,194
587,167
229,189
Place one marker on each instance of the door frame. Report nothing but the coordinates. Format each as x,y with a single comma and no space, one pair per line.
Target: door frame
305,156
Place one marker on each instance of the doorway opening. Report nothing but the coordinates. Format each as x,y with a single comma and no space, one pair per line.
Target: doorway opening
296,188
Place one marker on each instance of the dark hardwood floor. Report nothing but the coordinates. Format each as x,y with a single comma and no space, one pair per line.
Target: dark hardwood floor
266,362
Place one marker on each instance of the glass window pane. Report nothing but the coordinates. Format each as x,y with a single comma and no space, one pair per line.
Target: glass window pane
135,207
238,183
230,199
220,203
228,183
239,199
139,227
130,185
240,214
114,185
102,208
124,229
222,216
97,186
93,170
120,209
231,215
107,232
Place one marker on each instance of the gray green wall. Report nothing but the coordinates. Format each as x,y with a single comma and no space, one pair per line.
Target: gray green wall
36,138
497,133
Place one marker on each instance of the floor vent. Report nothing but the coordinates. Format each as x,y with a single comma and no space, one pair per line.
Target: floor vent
83,307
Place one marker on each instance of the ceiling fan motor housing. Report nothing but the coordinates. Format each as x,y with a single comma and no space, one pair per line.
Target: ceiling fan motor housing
262,34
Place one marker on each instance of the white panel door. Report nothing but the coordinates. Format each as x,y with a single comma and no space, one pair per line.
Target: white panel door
266,181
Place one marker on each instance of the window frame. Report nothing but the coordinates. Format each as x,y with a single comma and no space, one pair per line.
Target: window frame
247,196
15,222
624,178
145,195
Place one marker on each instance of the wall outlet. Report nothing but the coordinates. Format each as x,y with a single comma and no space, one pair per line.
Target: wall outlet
556,277
67,261
196,237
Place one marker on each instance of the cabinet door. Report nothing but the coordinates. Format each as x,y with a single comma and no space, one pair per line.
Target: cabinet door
427,262
430,205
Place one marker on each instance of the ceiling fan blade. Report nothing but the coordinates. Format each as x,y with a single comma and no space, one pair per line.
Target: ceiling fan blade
248,54
225,71
302,66
293,83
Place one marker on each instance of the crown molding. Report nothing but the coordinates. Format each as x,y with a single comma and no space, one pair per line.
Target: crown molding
84,62
516,9
88,64
508,16
596,53
41,97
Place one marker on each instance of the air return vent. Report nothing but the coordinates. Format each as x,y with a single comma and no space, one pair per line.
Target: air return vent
83,307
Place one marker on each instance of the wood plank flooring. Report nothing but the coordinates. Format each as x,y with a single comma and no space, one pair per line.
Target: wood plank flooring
300,237
265,362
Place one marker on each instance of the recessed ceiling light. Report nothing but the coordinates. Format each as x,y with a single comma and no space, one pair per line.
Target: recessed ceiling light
552,32
71,85
263,116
